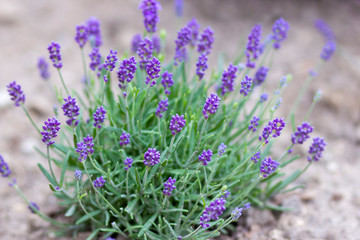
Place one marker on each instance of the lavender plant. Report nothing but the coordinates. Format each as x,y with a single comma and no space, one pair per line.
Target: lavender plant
146,167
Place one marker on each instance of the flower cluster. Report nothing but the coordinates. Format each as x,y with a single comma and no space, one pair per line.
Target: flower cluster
183,39
246,84
205,41
163,104
328,50
169,186
211,105
85,148
205,157
110,62
194,27
201,66
4,168
71,110
177,123
329,37
221,149
124,139
81,36
145,51
302,133
212,212
51,129
151,157
253,124
77,174
126,72
94,32
316,149
153,71
33,206
263,97
167,81
95,58
272,129
99,182
150,11
128,163
252,51
55,56
228,78
17,95
268,166
280,29
43,67
99,116
156,44
135,42
260,75
256,157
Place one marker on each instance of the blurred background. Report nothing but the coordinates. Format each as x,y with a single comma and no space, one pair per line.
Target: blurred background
328,207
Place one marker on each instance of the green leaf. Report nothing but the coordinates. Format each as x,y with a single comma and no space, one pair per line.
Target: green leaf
63,169
169,226
93,234
87,216
147,224
131,206
47,174
292,119
70,211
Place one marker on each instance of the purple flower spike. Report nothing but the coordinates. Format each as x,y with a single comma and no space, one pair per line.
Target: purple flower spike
95,58
253,47
302,133
246,84
280,29
51,129
254,123
169,186
153,69
316,149
205,157
236,213
33,205
85,148
163,104
81,36
99,182
110,61
4,168
256,157
179,7
268,166
325,30
71,110
167,81
150,11
272,129
221,149
145,52
124,139
99,116
126,72
55,56
135,42
110,238
212,212
211,105
201,66
94,32
227,79
205,41
77,174
152,157
177,123
328,50
247,206
43,67
227,194
194,27
17,95
128,163
156,44
263,97
183,39
260,75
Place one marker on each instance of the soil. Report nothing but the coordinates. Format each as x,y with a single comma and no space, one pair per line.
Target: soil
329,205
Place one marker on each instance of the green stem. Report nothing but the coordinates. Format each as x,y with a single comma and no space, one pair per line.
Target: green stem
82,206
63,83
30,118
185,183
143,108
193,233
50,165
309,111
97,168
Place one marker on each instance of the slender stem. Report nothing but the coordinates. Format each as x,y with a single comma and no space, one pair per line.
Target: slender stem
84,64
63,83
30,118
50,165
197,168
97,168
193,233
104,88
198,144
82,206
169,150
143,107
127,115
309,111
145,177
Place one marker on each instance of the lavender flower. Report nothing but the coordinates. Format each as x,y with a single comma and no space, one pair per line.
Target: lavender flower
51,129
150,11
226,194
254,123
151,157
183,39
163,104
110,61
205,41
272,129
260,75
212,212
177,123
227,79
81,36
317,96
95,58
169,186
328,50
325,30
99,116
302,133
4,168
124,139
211,105
126,72
110,238
43,67
253,46
256,157
85,148
280,29
246,84
194,27
157,44
263,97
33,205
221,149
236,213
247,206
268,166
77,174
94,32
277,104
17,95
55,56
316,149
152,69
99,182
145,52
201,66
128,163
135,42
205,157
179,7
71,110
167,81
